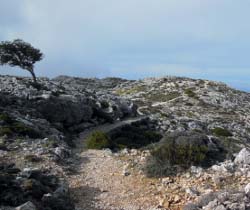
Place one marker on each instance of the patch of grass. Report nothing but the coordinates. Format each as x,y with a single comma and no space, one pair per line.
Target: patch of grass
11,127
24,130
162,97
189,92
98,140
132,90
218,131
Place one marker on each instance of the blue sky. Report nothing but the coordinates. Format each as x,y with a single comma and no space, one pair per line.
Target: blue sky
134,38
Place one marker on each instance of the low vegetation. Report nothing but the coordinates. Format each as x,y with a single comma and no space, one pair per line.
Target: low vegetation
132,90
181,150
162,96
189,92
133,137
98,140
128,136
218,131
10,127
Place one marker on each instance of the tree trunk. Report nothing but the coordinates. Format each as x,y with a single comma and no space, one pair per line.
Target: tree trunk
33,75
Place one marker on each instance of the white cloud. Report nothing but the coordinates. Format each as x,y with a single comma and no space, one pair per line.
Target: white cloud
98,38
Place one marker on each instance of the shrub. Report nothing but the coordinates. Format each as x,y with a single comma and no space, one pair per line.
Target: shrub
184,154
182,150
190,93
11,127
133,137
24,130
221,132
104,104
162,96
5,131
5,118
98,140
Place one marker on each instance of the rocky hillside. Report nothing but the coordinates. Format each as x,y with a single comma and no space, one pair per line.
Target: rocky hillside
181,104
177,139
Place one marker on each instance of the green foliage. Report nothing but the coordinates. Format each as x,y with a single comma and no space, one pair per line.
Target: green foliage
24,130
162,96
190,93
5,118
179,150
180,154
98,140
11,127
132,90
21,54
104,104
5,131
133,137
221,132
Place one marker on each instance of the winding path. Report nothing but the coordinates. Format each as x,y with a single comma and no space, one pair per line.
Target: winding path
99,182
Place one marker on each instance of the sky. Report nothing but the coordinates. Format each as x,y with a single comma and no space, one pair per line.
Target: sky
134,39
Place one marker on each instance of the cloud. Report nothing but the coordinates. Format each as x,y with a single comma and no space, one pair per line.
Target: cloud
133,38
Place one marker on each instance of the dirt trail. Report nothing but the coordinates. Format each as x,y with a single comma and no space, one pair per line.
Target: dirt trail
99,182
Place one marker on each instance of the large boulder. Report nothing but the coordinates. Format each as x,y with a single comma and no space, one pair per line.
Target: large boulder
243,157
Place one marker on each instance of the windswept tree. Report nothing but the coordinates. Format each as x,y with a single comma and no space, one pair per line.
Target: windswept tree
20,53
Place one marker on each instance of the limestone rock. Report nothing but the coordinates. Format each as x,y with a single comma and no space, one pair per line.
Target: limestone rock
27,206
243,157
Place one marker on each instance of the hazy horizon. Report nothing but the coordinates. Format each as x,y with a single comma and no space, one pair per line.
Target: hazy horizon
134,39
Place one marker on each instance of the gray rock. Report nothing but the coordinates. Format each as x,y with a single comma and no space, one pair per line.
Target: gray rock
205,199
192,191
196,170
27,206
190,206
220,207
211,205
243,157
236,206
62,152
247,189
27,172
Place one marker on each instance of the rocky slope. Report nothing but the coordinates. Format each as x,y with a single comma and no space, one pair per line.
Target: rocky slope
181,104
39,129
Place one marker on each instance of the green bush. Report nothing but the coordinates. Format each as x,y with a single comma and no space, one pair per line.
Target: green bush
182,150
180,154
23,130
12,127
162,96
190,93
133,137
221,132
5,131
104,104
98,140
5,118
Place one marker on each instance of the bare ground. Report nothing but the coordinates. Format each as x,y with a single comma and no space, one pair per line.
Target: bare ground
99,183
